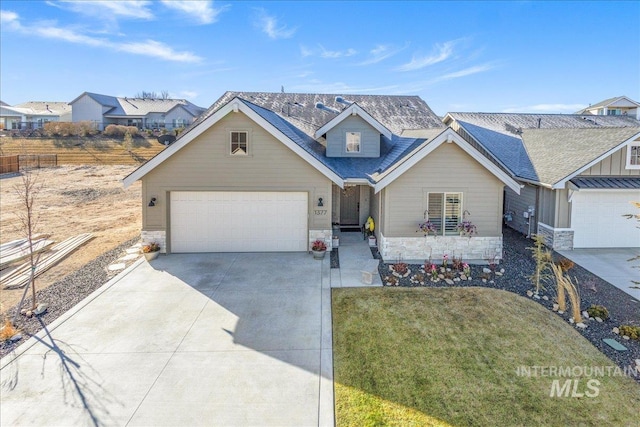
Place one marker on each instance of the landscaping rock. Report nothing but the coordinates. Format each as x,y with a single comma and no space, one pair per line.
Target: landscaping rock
498,273
502,270
638,363
616,330
486,270
546,298
529,294
463,277
536,296
571,320
440,276
560,311
599,320
484,280
581,325
626,337
555,307
449,281
585,314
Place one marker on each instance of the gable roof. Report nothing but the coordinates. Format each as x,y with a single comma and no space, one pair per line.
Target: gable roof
395,113
608,102
355,110
551,150
394,150
45,108
133,107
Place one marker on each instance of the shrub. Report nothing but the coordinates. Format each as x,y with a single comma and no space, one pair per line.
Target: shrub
401,268
119,131
85,129
151,247
632,332
318,245
60,129
565,264
598,311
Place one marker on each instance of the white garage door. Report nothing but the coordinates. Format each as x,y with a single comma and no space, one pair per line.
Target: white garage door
221,221
598,222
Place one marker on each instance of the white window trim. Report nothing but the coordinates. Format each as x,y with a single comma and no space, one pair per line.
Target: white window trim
346,141
629,165
444,198
248,152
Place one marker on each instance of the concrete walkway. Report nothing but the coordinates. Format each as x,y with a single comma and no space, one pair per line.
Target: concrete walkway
610,264
354,253
193,339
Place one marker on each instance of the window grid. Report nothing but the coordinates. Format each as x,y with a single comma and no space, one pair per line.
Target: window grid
445,208
239,143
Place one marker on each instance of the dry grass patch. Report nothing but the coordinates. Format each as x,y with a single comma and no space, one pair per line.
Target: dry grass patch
446,356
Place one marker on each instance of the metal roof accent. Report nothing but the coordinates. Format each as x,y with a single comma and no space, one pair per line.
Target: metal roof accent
606,182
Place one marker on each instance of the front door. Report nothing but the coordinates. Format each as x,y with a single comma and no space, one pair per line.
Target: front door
349,205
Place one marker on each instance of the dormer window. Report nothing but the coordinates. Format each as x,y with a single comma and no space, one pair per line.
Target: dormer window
353,142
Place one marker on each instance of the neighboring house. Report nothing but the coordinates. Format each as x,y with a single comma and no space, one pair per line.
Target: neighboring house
145,113
579,172
618,106
275,171
34,114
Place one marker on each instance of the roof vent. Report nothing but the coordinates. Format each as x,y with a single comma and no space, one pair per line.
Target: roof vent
321,106
341,100
512,129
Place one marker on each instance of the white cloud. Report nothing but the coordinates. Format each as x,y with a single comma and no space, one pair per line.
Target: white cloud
466,72
324,53
442,52
305,51
381,52
155,49
188,94
318,86
269,25
9,19
135,9
546,108
150,48
202,11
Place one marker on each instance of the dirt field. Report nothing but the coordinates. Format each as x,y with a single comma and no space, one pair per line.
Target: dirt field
74,200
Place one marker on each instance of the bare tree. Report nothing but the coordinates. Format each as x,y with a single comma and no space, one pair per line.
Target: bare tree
153,95
165,94
27,191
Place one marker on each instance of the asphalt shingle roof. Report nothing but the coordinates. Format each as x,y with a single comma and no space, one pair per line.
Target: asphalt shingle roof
45,107
391,150
396,113
547,148
127,107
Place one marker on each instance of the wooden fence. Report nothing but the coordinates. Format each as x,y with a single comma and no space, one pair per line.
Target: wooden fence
30,161
9,164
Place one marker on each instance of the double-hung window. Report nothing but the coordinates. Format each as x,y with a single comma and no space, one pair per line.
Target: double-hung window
633,155
353,142
445,211
239,143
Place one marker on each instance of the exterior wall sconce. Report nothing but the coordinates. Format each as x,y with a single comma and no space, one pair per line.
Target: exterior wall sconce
320,203
152,202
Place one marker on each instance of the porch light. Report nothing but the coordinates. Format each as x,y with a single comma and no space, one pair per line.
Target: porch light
152,202
320,203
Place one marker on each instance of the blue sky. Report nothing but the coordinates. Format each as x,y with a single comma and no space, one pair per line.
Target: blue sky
530,56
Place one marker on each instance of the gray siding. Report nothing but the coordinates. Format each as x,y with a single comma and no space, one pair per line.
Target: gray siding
612,165
547,206
86,109
205,165
447,169
563,209
369,138
375,210
518,205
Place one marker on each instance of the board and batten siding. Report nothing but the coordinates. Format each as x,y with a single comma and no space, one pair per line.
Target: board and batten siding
518,205
614,165
87,109
206,165
369,138
447,169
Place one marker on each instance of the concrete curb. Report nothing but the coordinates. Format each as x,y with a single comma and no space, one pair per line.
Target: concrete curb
64,317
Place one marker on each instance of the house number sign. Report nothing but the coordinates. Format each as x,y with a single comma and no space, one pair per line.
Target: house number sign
320,212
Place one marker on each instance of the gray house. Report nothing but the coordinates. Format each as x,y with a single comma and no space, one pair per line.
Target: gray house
33,114
579,173
145,113
275,171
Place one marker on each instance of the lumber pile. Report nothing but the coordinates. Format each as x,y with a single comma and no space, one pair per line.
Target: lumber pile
19,277
19,249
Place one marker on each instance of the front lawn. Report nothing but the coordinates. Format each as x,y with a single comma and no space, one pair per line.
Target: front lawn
450,356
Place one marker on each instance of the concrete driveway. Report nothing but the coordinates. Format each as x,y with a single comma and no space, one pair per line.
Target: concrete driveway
610,264
194,339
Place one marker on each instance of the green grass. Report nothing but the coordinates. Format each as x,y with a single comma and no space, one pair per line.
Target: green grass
443,356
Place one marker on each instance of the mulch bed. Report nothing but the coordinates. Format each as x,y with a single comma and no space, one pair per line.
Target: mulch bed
519,266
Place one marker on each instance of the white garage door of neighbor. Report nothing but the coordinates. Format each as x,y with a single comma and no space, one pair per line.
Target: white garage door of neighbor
223,221
598,222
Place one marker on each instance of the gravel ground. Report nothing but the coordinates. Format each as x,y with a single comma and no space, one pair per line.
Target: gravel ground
66,293
519,265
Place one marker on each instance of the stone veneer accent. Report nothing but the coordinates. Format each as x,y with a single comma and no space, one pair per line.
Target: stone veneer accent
558,239
322,235
158,236
471,249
